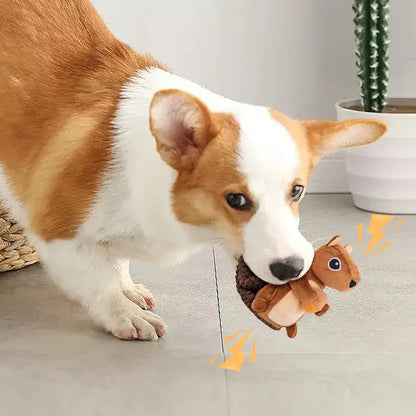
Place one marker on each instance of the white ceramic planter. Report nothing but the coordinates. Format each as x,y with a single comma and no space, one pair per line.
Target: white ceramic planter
382,176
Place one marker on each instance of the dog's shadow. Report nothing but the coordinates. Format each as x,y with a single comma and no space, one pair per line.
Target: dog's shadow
31,302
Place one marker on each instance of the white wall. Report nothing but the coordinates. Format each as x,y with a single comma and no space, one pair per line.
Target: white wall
294,55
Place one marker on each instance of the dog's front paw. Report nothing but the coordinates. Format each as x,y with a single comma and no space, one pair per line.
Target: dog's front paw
138,294
125,319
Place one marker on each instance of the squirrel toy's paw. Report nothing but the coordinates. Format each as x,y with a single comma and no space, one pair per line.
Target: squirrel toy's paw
317,305
262,300
259,305
323,310
309,307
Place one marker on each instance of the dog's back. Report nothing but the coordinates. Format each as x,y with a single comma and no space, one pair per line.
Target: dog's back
39,41
61,72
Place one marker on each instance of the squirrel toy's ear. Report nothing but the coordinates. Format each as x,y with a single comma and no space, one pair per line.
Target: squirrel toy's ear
335,241
348,248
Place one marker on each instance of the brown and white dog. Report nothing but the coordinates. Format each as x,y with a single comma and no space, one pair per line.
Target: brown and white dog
105,156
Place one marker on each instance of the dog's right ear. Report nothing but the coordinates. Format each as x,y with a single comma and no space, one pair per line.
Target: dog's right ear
182,126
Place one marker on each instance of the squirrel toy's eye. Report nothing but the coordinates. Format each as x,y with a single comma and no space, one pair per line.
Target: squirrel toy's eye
334,264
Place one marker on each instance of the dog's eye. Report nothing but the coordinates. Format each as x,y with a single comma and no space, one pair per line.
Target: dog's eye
297,192
334,264
238,201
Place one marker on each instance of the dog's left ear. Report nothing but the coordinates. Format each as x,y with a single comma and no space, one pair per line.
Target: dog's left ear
331,136
182,126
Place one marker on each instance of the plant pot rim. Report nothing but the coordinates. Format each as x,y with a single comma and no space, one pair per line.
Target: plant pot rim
343,104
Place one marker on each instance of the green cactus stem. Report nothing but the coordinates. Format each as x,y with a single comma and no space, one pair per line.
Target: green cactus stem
372,39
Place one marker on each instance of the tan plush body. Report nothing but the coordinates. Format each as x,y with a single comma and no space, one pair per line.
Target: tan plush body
284,305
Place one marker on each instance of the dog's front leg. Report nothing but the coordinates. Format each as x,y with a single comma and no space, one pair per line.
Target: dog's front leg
136,292
88,273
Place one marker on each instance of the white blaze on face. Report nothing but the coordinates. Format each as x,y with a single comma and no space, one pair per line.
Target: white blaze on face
268,159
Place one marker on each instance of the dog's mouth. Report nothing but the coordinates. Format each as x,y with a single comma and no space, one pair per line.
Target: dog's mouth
353,283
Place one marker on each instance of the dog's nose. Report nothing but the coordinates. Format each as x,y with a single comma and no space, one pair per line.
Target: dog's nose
353,283
288,268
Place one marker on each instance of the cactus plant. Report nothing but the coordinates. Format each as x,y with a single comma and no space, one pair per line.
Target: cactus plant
372,39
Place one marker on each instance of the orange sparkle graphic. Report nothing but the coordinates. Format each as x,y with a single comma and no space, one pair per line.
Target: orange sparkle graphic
228,339
253,352
375,227
382,248
377,223
236,360
360,234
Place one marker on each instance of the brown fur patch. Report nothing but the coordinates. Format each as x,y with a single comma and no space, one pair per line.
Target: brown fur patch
61,73
199,194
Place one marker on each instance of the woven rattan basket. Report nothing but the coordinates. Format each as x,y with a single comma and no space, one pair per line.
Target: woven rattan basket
15,251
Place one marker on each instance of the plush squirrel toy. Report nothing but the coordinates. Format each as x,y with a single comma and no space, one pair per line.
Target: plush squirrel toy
284,305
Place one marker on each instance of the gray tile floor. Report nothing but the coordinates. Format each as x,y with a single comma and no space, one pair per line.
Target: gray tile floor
359,359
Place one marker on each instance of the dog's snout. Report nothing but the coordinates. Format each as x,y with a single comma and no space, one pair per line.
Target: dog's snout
288,268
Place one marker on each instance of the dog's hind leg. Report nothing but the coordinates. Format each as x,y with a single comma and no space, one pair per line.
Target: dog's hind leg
88,273
136,292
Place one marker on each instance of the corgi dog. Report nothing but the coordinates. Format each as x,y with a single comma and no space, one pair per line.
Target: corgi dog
106,156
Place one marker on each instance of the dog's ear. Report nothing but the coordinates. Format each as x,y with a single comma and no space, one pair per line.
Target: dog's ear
182,126
330,136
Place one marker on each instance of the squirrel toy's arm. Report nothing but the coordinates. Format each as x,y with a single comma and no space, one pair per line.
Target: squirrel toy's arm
263,298
312,300
303,290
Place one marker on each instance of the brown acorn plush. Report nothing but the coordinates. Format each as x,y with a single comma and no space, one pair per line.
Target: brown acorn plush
280,306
